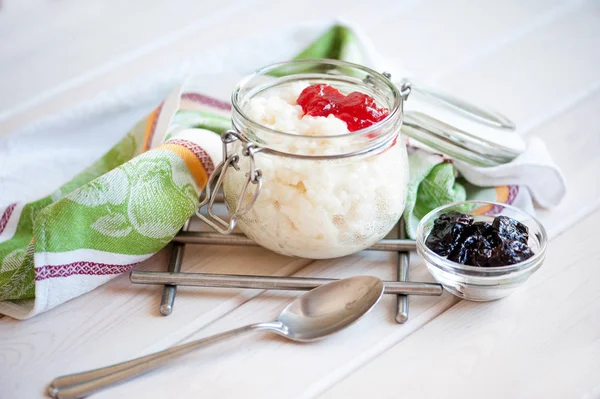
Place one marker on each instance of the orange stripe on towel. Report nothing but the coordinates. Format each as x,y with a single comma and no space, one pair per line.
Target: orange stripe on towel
191,160
149,130
502,193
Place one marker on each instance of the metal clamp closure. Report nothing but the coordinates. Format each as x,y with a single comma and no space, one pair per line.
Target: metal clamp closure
254,176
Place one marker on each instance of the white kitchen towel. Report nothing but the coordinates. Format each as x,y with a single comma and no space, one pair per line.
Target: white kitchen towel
534,168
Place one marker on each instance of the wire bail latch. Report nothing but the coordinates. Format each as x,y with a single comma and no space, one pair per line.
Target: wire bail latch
254,176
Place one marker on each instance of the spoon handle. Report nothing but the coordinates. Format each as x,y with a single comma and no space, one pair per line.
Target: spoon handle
79,385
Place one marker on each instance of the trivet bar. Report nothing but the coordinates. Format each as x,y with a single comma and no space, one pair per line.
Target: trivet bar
402,270
194,237
268,282
168,298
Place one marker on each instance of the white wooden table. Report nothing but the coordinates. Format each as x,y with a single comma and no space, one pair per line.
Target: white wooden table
536,60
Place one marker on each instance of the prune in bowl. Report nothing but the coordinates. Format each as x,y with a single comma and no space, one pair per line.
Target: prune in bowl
479,250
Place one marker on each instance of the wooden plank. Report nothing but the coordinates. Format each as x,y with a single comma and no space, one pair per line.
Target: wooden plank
51,38
529,82
441,36
541,342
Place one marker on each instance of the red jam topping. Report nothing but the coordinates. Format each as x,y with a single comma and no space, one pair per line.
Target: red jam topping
357,109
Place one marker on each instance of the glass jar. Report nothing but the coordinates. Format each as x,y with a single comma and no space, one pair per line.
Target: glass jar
313,196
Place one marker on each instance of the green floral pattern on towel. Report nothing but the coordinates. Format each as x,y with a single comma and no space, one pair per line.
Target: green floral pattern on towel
17,276
135,209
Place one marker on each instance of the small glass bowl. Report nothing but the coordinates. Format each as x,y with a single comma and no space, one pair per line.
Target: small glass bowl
476,283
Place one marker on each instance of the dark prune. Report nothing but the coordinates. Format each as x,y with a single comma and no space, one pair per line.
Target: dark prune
460,253
480,253
487,231
509,253
444,238
501,243
479,228
473,251
456,217
511,229
493,238
448,232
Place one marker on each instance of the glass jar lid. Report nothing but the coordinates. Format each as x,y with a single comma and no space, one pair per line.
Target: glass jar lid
458,129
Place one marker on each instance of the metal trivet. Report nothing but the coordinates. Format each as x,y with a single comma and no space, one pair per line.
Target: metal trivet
401,287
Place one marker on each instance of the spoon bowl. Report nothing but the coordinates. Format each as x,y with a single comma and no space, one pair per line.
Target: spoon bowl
314,315
330,308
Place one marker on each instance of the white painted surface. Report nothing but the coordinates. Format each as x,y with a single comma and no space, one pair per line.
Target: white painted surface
537,61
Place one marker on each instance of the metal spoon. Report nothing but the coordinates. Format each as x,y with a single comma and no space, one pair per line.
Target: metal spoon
318,313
